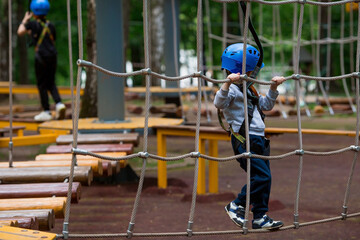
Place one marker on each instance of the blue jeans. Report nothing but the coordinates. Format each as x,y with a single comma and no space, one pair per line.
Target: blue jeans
260,176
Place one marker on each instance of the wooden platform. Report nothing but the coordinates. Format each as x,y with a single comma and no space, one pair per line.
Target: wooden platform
127,148
92,125
100,138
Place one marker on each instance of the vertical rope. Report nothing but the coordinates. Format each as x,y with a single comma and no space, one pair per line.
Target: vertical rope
328,49
146,20
276,15
75,122
68,8
224,27
351,26
320,83
296,71
210,48
199,43
10,85
176,57
342,67
347,192
247,208
241,19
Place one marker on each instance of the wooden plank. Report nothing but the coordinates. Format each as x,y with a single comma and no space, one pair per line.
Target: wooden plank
128,148
56,203
24,222
11,233
9,222
45,217
52,174
100,138
96,165
68,156
32,190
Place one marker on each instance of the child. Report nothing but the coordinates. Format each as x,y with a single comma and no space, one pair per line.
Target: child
230,99
43,36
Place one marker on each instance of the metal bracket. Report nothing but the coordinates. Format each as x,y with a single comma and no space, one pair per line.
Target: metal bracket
355,148
79,151
130,229
344,213
189,229
296,221
66,230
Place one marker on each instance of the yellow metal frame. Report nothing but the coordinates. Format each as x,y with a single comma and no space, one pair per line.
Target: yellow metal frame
352,6
30,89
213,151
213,138
11,233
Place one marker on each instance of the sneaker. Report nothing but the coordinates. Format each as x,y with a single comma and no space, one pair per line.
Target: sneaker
60,110
43,116
236,213
266,223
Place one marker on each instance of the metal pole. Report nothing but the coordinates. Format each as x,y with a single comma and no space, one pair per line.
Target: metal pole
110,55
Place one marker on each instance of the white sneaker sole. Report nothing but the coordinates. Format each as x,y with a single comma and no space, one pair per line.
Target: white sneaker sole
237,224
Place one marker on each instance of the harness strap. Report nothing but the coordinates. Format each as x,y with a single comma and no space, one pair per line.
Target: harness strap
45,30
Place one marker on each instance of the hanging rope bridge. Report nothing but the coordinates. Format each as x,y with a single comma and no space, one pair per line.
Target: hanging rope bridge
147,73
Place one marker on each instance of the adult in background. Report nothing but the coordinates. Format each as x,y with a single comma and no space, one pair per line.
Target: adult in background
43,36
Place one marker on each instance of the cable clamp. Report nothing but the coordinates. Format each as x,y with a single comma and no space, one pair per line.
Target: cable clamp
357,74
302,1
355,148
195,154
248,154
296,76
130,230
189,229
296,221
245,229
66,230
143,154
299,152
198,74
11,145
146,71
83,63
344,213
79,151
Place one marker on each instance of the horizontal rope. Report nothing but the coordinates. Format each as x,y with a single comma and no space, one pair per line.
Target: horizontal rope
231,38
178,234
217,159
291,1
148,71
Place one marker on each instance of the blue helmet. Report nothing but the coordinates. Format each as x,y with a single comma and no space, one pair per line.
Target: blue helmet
232,58
40,7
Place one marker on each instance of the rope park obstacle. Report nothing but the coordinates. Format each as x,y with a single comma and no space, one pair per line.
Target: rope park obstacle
147,73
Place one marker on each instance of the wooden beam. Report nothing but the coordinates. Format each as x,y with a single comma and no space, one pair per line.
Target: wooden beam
45,217
32,190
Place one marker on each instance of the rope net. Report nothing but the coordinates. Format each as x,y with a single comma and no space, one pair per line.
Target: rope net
227,38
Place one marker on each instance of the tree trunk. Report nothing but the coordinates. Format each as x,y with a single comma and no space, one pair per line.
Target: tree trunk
89,99
23,66
157,38
4,42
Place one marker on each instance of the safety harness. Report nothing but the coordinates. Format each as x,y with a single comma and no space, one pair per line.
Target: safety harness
46,30
252,94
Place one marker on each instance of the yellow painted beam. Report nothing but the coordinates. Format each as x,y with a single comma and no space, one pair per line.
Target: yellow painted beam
30,126
352,6
11,233
30,89
201,185
161,151
213,167
28,140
